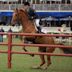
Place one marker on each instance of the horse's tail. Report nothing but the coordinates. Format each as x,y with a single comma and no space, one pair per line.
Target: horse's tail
65,50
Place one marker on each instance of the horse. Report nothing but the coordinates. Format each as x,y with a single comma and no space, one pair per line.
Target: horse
28,26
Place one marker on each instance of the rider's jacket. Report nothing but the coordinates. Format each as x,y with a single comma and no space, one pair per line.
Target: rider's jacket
32,14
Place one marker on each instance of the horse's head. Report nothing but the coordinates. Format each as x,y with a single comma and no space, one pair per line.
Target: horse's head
20,16
17,16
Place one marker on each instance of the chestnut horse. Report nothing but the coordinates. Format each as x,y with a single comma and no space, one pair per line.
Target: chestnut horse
29,27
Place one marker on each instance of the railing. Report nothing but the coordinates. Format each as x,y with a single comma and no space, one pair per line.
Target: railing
10,44
9,6
56,7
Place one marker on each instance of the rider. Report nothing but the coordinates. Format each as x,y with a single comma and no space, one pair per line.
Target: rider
32,14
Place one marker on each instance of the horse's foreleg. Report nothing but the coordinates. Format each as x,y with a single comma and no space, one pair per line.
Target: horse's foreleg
22,39
27,51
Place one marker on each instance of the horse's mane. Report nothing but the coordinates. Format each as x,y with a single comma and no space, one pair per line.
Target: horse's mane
24,12
21,10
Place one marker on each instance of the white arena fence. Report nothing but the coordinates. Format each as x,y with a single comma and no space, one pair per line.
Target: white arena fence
46,30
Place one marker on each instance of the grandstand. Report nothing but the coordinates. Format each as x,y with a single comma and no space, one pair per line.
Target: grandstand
59,10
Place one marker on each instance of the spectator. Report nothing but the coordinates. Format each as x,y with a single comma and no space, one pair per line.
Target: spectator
1,36
10,30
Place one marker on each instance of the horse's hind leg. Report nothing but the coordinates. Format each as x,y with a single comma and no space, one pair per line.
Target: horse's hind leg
42,60
49,50
42,49
48,60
